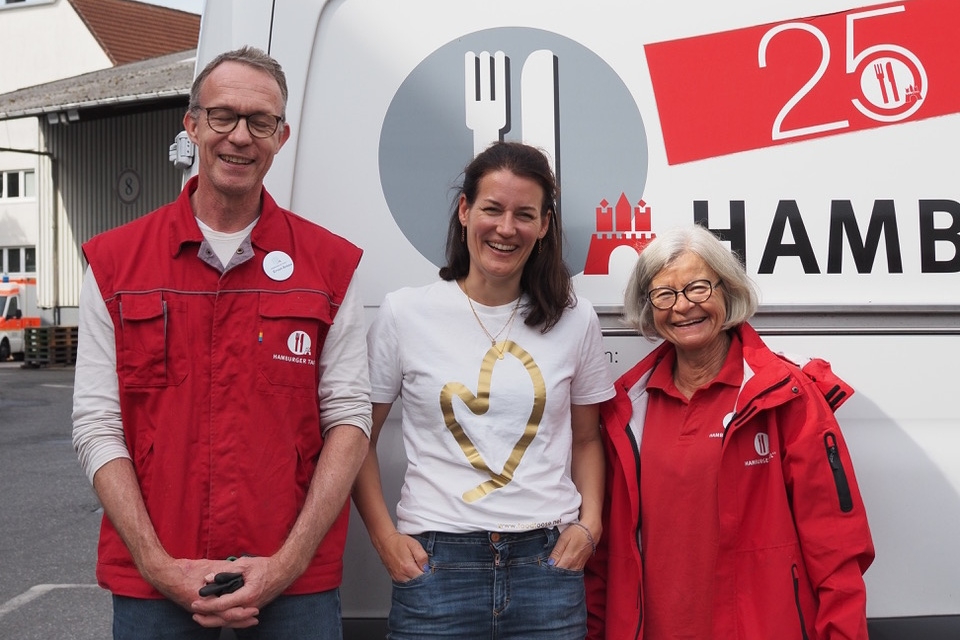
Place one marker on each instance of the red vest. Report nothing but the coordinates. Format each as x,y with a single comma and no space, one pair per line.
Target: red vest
218,376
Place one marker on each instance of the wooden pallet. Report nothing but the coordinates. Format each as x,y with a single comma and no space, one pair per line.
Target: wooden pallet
50,345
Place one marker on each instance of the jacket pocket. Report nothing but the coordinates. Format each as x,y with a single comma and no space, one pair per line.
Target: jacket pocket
795,575
292,328
839,475
147,354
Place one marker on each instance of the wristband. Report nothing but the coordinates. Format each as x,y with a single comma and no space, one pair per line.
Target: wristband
589,535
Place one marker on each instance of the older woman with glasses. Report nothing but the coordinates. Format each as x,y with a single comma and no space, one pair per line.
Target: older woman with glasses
732,510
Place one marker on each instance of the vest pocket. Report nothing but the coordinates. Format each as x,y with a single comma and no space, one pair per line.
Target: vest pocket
147,356
292,328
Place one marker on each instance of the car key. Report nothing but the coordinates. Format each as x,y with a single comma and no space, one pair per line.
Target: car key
223,583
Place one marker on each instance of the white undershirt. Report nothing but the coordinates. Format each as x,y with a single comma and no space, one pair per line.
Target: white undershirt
223,243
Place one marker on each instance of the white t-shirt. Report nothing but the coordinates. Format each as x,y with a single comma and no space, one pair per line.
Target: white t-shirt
488,441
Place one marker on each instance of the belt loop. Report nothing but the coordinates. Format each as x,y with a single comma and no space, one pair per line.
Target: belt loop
553,534
431,541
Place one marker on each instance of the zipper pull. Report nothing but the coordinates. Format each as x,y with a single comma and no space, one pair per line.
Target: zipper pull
844,493
833,454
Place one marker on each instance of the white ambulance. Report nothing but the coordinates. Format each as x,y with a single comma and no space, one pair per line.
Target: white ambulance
817,138
18,310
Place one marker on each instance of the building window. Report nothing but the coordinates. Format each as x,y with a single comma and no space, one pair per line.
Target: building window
18,184
19,261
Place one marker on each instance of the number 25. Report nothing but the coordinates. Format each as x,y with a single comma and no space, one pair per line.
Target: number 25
853,61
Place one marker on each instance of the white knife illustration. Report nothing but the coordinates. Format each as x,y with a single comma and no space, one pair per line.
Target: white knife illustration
539,105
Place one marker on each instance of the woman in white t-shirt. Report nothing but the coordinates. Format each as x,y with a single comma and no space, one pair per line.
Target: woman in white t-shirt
500,370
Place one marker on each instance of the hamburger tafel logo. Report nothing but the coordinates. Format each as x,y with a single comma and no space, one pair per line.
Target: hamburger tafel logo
530,85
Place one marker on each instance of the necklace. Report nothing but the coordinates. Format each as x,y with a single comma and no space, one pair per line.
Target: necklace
505,327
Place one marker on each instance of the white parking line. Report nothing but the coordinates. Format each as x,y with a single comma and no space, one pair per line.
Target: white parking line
35,592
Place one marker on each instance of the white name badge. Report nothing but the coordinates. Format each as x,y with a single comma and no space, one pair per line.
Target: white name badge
278,266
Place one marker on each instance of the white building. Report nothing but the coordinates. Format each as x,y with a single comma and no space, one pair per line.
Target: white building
45,41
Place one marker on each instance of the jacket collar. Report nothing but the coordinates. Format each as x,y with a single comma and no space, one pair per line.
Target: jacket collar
778,378
770,379
184,229
183,224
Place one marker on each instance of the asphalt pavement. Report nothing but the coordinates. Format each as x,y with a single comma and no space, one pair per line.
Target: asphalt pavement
49,515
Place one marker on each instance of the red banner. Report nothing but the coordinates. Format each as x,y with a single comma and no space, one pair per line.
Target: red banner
806,78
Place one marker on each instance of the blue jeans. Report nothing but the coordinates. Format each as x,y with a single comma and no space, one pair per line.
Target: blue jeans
314,616
490,585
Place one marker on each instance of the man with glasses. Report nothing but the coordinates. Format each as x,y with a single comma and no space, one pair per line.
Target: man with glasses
221,405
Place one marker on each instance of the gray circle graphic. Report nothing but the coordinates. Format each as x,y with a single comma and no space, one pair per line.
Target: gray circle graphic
600,149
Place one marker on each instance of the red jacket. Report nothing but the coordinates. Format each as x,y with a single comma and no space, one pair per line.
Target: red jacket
218,376
794,540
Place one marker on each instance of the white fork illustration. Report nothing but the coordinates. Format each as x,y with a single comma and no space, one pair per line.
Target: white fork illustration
485,96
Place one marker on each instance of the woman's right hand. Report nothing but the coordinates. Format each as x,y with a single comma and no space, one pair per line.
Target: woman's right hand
403,556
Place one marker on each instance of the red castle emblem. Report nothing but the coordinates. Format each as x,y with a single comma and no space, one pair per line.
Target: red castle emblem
619,226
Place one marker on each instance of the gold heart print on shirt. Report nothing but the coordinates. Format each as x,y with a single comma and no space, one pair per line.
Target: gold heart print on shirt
480,403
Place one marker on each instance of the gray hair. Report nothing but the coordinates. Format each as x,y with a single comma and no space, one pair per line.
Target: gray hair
740,293
250,56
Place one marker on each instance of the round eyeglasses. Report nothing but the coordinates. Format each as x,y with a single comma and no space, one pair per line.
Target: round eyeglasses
260,125
696,292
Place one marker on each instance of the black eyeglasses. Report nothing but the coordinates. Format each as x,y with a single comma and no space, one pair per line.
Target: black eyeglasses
260,125
696,292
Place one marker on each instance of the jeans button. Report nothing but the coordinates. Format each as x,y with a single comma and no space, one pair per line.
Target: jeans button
494,537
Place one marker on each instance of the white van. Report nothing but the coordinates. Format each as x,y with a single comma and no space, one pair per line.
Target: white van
819,138
18,311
